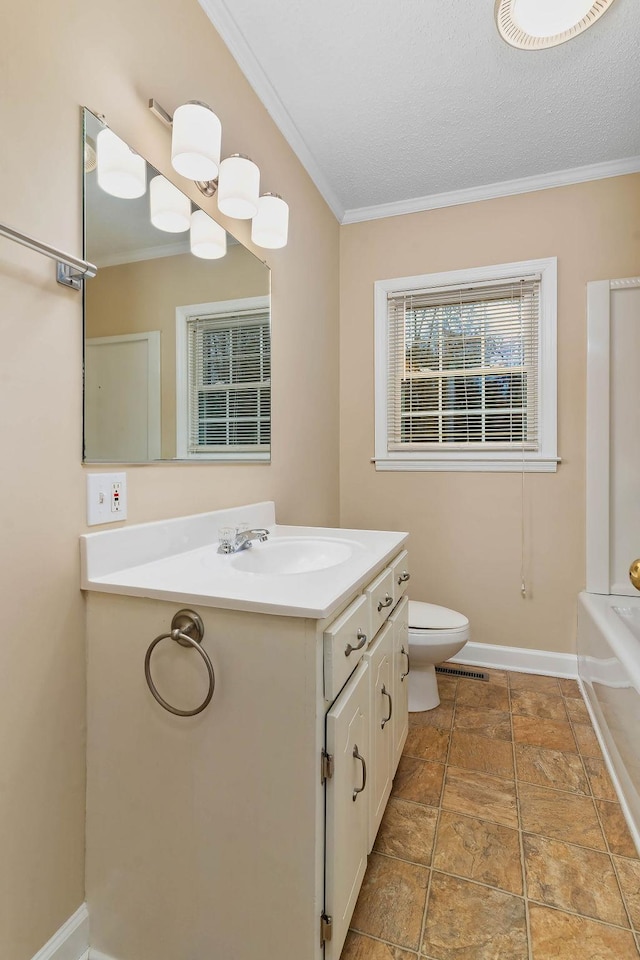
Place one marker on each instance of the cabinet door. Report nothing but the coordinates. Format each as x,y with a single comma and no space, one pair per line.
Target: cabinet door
380,658
400,720
347,740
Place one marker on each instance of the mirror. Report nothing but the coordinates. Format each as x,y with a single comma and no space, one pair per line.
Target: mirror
177,348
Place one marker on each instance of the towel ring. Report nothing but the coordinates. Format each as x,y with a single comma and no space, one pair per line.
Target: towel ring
184,623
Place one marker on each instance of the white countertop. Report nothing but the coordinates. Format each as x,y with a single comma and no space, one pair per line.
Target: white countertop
178,560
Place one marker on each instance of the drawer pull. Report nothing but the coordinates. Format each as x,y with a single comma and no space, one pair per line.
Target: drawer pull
405,654
404,576
357,756
362,637
385,603
385,720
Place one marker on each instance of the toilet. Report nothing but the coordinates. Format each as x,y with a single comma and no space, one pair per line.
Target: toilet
435,634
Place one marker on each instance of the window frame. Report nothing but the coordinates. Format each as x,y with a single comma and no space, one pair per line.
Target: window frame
183,315
543,460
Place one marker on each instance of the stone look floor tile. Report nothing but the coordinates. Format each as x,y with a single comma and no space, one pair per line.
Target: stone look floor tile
494,757
573,878
587,741
407,831
391,901
577,711
615,829
419,780
427,743
357,947
570,688
533,681
478,850
441,717
483,722
561,936
477,794
447,687
600,781
551,734
561,816
532,703
551,768
475,693
629,875
466,921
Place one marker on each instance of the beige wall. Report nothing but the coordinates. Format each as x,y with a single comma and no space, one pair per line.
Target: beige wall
142,296
112,58
465,527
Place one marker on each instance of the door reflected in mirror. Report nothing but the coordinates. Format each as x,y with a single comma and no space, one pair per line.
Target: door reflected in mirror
177,347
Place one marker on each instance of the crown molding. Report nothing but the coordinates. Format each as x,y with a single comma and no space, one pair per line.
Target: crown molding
223,21
144,253
490,191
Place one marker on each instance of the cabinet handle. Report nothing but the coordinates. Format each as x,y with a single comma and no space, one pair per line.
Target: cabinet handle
385,603
404,576
362,637
405,654
358,756
384,693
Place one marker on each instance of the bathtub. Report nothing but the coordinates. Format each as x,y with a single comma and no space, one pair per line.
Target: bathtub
609,671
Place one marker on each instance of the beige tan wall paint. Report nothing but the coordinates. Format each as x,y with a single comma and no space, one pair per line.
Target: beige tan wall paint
465,527
56,57
142,296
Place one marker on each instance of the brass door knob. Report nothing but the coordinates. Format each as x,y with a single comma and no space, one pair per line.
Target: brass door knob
634,573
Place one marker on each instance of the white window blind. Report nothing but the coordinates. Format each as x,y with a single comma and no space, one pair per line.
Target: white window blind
229,382
463,367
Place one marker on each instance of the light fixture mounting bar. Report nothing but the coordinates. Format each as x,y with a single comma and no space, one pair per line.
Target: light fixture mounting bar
159,112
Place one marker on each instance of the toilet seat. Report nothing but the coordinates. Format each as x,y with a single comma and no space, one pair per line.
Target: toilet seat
431,617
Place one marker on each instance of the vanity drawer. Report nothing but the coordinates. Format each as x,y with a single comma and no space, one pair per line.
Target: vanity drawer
381,600
401,575
345,641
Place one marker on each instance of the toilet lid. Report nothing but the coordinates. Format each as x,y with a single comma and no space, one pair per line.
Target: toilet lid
429,616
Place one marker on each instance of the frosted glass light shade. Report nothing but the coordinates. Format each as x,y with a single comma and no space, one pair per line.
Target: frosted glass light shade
170,209
270,226
207,239
238,187
121,172
547,18
195,142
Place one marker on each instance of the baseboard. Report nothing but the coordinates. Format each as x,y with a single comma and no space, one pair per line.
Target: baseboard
71,941
519,659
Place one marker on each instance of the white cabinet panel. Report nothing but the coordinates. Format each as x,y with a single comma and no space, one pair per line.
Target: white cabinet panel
380,658
399,621
344,643
380,596
401,575
347,793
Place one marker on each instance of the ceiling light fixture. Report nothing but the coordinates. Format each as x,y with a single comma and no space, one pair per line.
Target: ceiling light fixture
270,226
207,239
121,172
170,208
537,24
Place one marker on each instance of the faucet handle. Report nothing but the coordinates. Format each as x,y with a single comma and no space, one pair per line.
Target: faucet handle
227,537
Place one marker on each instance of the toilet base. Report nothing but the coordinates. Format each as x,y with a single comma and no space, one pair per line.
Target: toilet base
423,688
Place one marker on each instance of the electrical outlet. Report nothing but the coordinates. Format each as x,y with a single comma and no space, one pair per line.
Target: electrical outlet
106,498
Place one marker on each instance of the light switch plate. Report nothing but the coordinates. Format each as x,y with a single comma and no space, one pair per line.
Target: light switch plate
103,505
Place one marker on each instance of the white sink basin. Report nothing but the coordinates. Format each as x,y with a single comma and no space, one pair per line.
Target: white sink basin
287,555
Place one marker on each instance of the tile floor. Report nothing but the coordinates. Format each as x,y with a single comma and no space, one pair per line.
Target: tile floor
503,838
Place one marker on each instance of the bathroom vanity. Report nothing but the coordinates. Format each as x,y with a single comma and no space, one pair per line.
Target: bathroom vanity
243,831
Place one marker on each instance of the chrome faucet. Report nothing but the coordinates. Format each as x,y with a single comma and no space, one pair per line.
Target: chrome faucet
242,540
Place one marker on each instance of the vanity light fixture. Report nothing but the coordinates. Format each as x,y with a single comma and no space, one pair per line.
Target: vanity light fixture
207,238
196,139
270,226
238,187
537,24
121,171
170,208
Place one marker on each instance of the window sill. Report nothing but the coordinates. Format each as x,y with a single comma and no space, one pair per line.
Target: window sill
476,465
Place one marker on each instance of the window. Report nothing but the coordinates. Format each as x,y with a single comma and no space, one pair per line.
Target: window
224,379
466,369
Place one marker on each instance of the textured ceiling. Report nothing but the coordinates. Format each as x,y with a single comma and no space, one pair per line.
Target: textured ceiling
386,102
